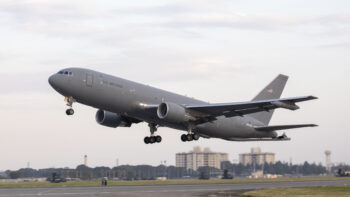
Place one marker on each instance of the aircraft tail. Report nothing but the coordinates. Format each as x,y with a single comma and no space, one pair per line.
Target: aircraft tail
271,91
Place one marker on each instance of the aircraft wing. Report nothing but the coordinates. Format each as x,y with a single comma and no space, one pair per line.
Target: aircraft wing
211,111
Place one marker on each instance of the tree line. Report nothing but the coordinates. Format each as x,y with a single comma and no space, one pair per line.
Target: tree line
147,172
124,172
276,168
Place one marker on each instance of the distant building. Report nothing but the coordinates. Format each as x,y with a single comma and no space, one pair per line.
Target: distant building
3,174
85,160
197,158
256,156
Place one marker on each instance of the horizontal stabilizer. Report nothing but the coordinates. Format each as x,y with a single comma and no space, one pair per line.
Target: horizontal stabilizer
284,127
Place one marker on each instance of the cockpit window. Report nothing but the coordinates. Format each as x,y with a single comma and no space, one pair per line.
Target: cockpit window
64,72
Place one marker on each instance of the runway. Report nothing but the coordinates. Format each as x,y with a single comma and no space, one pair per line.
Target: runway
162,190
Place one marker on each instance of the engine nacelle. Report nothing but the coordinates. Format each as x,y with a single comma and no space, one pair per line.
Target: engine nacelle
172,112
110,119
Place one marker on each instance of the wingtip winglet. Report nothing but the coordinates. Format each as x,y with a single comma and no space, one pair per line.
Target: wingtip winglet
313,97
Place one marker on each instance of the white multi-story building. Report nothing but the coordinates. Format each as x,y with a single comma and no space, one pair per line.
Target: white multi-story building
256,156
197,158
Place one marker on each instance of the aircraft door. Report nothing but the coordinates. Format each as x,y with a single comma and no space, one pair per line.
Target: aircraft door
89,80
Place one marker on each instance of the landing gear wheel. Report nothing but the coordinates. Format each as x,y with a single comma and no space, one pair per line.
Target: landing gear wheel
158,139
146,140
184,138
152,139
69,112
189,137
195,136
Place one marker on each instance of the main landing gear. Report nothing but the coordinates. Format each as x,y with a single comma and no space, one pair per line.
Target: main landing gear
189,137
153,139
69,101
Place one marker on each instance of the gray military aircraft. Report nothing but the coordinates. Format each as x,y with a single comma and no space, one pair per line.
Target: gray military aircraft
121,103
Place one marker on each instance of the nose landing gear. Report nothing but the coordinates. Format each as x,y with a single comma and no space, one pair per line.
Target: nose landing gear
69,101
69,112
152,139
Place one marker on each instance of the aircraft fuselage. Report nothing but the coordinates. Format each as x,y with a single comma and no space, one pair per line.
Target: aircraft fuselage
114,94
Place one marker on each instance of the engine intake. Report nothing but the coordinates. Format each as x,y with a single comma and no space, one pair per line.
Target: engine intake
172,112
111,119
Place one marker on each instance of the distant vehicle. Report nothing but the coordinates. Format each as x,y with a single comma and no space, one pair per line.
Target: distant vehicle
227,175
104,181
343,173
121,103
56,178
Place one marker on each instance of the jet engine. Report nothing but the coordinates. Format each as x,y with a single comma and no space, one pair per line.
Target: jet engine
172,112
110,119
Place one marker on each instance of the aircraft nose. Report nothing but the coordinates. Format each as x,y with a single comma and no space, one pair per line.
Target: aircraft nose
53,80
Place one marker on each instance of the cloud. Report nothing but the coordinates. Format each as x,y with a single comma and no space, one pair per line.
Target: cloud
54,18
335,45
6,55
275,22
176,8
41,10
24,83
171,65
209,14
119,26
334,19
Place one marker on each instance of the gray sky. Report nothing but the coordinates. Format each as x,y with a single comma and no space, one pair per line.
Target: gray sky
217,51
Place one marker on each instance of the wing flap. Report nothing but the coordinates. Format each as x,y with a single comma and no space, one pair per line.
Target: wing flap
259,139
284,127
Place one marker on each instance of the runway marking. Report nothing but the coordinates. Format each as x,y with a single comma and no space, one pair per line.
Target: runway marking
88,191
104,192
146,191
176,185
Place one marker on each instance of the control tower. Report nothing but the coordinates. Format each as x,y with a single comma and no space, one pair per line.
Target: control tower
328,161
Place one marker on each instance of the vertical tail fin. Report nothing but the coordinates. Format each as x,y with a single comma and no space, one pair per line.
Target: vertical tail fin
271,91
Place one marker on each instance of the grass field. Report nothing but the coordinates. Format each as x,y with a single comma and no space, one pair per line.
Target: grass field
154,182
302,192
